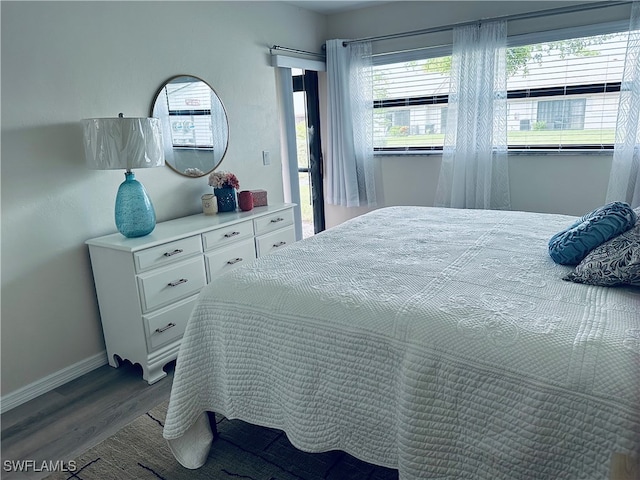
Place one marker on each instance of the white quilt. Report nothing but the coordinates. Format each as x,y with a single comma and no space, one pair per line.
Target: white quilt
440,342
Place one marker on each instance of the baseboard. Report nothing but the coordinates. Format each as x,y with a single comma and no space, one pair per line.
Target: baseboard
48,383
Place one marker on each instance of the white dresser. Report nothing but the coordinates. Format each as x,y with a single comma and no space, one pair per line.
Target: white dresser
147,286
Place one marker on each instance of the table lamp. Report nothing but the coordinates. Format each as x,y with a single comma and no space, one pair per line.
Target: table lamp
126,143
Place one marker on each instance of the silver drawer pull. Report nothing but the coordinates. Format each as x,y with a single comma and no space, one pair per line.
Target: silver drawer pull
235,260
177,282
232,234
276,220
164,329
279,244
175,252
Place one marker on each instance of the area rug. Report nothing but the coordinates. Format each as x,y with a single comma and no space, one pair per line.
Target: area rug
242,451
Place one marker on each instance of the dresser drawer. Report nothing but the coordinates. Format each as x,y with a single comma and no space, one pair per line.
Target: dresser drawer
167,253
224,259
273,221
148,286
164,286
224,236
275,240
167,325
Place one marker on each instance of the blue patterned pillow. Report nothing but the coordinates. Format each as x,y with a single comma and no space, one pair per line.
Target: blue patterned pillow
616,262
570,246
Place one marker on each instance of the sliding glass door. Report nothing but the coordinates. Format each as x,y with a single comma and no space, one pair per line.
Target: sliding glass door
308,147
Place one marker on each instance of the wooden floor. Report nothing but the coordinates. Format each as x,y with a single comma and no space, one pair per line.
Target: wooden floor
64,423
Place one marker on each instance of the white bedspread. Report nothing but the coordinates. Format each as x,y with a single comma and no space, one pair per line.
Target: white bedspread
440,342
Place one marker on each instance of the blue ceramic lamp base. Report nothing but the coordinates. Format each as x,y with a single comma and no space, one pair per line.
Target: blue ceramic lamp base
135,216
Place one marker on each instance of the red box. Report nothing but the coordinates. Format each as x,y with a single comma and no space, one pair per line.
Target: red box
259,198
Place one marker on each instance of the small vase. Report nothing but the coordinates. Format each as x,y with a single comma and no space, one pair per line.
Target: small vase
226,198
245,200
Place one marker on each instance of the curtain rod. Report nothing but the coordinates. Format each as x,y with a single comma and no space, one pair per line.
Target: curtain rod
517,16
295,50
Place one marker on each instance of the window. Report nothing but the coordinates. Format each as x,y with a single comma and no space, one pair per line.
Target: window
562,93
560,114
189,107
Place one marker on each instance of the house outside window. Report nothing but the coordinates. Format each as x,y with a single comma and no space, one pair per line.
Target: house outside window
562,93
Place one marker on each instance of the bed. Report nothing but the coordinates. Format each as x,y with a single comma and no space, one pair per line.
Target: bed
440,342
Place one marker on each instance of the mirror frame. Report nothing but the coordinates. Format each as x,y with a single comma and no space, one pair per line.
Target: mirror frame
226,147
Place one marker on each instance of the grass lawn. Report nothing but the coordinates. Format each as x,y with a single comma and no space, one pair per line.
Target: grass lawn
305,198
516,137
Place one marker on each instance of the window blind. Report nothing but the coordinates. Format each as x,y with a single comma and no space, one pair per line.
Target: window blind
562,91
190,114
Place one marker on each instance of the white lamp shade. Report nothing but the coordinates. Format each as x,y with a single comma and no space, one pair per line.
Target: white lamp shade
117,143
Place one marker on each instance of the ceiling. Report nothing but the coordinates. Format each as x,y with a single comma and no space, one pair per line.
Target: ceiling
328,7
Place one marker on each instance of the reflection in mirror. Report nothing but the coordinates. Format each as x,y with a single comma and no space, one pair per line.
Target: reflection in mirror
195,129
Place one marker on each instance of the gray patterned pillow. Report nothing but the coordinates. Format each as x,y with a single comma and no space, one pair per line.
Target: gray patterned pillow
615,262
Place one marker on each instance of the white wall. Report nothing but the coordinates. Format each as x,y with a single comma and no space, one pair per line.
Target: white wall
569,183
64,61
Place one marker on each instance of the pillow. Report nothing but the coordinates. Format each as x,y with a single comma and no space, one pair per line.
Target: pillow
615,262
570,246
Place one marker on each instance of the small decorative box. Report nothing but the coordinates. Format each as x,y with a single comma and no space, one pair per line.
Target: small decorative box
259,198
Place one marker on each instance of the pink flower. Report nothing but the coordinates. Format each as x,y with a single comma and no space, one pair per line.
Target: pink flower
223,180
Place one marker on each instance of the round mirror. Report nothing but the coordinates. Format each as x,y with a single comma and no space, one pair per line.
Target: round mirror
195,129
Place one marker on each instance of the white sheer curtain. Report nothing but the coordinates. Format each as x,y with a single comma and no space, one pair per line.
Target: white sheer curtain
474,172
350,169
161,111
624,180
219,127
